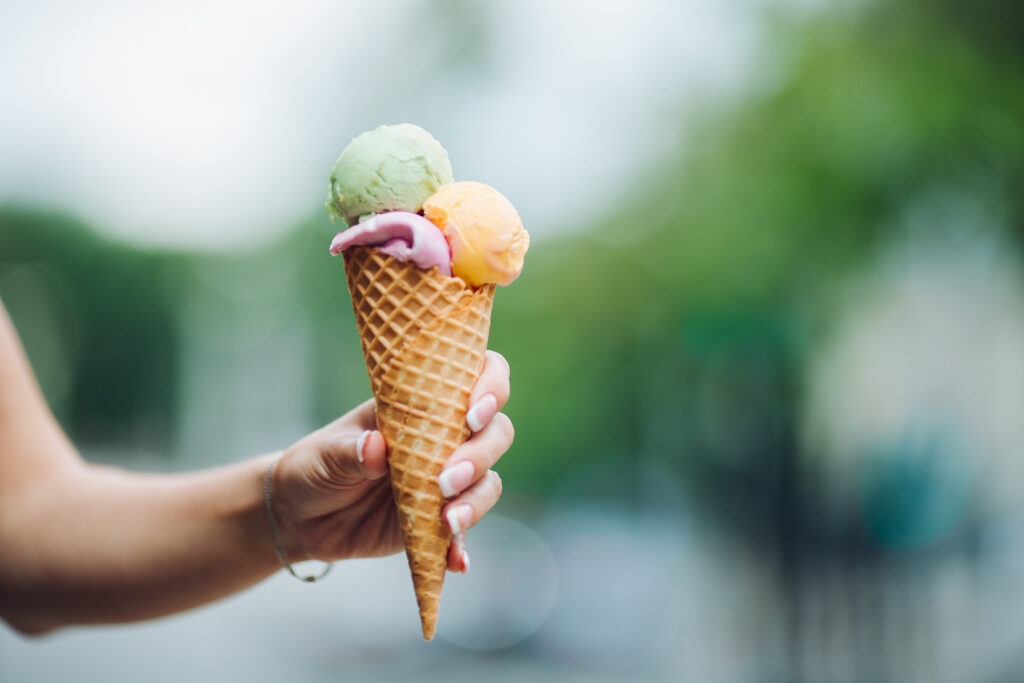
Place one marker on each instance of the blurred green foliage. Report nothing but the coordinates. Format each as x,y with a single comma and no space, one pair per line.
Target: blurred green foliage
98,321
674,333
677,329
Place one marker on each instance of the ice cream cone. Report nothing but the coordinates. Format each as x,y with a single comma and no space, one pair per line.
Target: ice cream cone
423,336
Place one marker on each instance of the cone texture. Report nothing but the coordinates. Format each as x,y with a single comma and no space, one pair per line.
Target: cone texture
424,337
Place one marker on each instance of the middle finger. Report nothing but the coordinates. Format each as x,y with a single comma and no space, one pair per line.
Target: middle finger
472,459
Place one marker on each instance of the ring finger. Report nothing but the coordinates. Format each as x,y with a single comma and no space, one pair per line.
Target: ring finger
467,509
472,459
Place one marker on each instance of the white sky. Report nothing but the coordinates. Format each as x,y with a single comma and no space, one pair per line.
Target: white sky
204,123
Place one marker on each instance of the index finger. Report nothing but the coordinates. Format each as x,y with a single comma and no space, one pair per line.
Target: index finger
493,379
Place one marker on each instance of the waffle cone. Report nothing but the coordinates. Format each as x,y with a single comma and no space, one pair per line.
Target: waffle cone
424,336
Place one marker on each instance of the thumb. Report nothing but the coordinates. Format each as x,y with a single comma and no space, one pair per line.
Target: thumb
348,458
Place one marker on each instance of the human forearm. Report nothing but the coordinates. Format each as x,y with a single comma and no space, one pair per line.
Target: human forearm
107,545
84,544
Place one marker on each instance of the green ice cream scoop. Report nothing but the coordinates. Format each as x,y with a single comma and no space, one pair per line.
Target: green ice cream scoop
390,168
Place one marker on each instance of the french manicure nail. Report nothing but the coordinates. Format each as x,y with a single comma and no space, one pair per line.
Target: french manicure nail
455,478
465,562
361,444
481,413
459,517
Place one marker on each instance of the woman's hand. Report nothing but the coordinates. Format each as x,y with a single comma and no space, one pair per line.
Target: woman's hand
333,501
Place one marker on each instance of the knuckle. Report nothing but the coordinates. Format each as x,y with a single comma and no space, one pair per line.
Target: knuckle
507,429
501,360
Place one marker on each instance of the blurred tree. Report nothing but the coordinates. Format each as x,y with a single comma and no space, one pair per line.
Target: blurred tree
98,324
678,329
673,332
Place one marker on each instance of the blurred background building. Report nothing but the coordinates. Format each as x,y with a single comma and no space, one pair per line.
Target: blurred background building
767,349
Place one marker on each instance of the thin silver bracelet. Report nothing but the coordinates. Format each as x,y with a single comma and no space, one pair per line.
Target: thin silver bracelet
281,554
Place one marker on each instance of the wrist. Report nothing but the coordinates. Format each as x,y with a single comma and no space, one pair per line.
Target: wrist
250,517
287,546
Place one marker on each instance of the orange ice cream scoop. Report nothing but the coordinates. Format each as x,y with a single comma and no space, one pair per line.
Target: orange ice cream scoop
483,229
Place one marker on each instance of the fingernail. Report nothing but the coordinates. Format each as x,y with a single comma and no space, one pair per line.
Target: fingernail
361,444
481,413
455,478
465,562
459,517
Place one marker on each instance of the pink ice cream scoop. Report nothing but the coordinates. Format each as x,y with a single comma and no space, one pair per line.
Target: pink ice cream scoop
403,235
